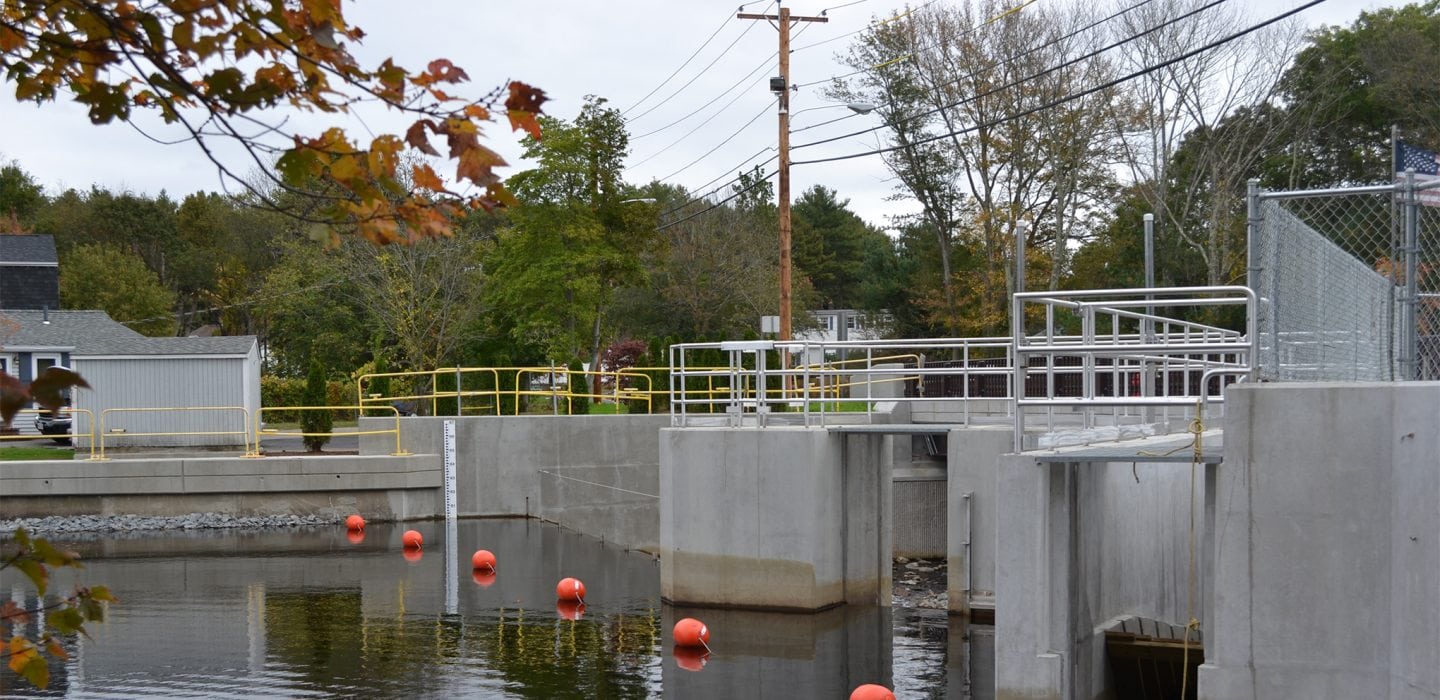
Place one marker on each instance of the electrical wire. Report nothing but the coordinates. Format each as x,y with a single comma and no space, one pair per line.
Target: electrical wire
1020,81
691,81
713,100
691,132
1027,52
743,127
857,31
717,205
670,77
1073,96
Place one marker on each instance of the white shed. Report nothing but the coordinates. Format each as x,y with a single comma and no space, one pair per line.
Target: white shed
206,387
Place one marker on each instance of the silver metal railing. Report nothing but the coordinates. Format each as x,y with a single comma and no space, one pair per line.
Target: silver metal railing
1126,365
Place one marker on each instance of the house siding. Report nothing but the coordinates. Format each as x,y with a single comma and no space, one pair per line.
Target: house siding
140,382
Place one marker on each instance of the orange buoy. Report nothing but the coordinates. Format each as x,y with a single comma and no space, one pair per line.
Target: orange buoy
354,522
355,536
690,658
569,609
870,691
691,632
413,554
482,577
411,539
570,589
483,559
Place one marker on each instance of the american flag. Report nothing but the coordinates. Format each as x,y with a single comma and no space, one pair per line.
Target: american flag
1427,169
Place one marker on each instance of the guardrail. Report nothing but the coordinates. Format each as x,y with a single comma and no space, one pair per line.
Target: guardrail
628,385
107,430
1141,353
260,412
814,381
19,433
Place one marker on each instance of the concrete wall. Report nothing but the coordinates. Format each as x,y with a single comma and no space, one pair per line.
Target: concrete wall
381,487
1328,551
512,466
803,523
974,460
1078,545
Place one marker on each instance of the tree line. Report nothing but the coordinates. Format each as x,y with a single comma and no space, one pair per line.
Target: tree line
583,259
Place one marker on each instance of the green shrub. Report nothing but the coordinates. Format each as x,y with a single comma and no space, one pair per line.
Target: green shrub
316,421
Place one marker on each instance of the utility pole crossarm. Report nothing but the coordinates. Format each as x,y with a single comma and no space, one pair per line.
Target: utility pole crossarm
776,18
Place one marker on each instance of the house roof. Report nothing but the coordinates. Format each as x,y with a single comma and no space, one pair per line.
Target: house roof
30,249
95,333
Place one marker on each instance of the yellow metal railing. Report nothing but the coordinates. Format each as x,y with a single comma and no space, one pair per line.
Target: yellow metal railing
370,400
106,430
260,412
90,419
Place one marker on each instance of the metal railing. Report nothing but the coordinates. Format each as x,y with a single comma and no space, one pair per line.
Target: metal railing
1149,359
260,412
108,430
89,435
815,382
630,385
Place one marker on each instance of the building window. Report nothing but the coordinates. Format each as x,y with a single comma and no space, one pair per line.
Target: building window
852,323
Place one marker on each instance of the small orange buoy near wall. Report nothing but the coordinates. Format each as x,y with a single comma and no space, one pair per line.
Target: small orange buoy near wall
691,632
413,554
870,691
482,577
483,559
570,589
354,522
411,539
690,658
569,609
355,536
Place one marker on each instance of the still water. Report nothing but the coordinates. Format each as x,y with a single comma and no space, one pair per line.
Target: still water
309,613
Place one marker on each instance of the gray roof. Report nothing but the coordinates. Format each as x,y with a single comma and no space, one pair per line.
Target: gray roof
95,333
27,248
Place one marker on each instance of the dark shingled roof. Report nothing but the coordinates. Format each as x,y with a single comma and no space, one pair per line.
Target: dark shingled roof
95,333
27,248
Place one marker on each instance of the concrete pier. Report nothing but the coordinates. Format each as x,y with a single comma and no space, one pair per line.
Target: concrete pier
784,518
1327,557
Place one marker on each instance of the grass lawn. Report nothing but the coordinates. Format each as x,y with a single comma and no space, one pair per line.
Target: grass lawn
19,454
295,425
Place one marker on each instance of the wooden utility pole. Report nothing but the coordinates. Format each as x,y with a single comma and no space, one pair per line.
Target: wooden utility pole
783,22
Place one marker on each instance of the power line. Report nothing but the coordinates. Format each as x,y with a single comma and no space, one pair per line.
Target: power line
857,31
1027,52
670,77
692,80
1073,96
712,101
743,127
717,205
1020,81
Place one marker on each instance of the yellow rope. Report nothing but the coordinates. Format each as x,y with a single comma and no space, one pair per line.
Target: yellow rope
1196,428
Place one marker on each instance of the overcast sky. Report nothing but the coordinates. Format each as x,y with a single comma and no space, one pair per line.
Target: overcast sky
618,49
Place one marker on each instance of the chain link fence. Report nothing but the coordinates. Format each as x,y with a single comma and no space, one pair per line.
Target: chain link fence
1341,274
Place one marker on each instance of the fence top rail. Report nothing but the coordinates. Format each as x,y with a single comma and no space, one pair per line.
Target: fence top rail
1161,294
1333,192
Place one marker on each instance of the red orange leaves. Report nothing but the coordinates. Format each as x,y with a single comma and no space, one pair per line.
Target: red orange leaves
426,178
523,107
416,137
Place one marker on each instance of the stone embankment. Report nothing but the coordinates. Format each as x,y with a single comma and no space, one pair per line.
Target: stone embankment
138,523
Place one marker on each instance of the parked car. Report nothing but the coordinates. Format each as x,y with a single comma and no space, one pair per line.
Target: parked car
48,423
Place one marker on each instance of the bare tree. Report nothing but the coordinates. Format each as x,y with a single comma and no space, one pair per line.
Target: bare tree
1185,103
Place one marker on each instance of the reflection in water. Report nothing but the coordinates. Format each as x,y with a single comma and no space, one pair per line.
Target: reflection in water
312,613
